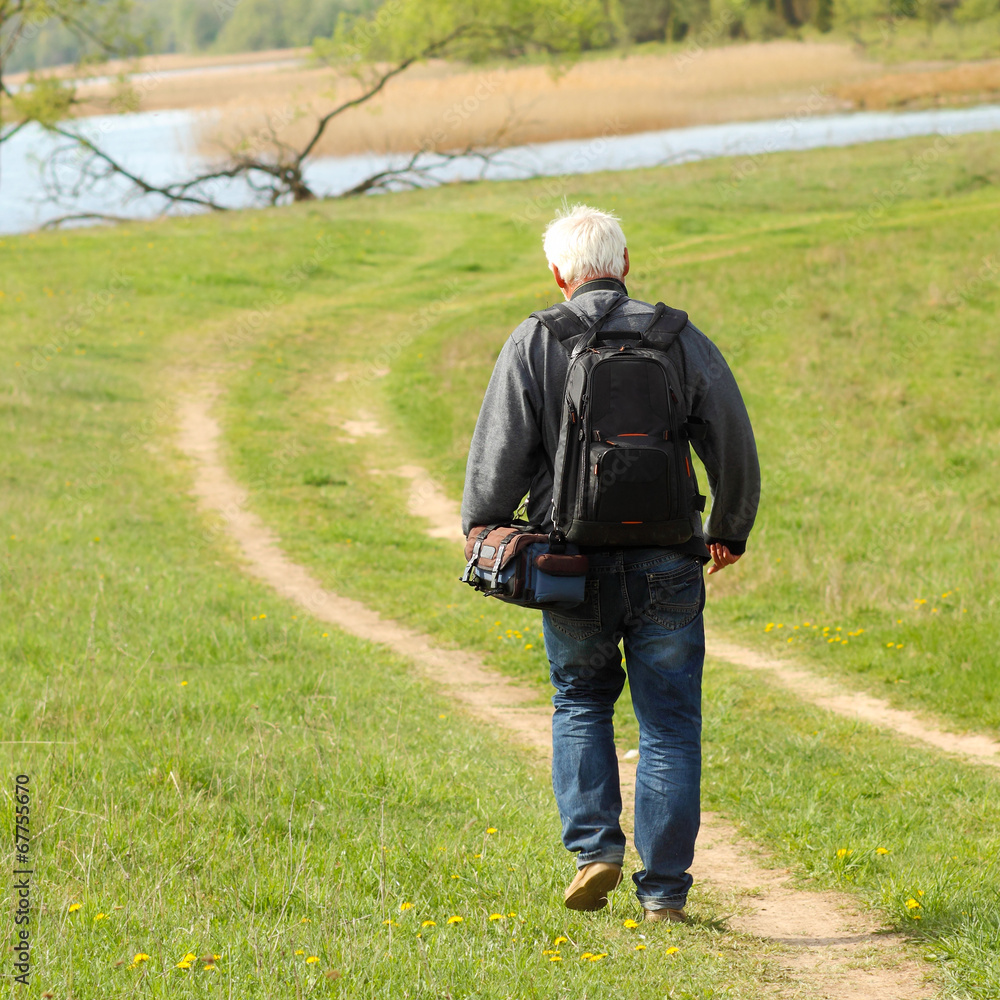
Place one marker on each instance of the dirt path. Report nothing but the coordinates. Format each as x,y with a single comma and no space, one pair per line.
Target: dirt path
826,947
855,705
428,500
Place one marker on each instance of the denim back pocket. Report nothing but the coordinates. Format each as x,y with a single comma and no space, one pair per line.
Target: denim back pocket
584,620
676,596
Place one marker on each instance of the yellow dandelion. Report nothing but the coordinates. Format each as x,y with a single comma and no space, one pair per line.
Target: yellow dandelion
184,684
920,892
428,923
529,645
406,906
73,907
630,923
326,635
555,958
899,645
912,904
183,965
390,923
889,645
306,920
512,914
139,957
299,951
843,852
559,940
672,950
312,960
491,829
101,916
208,966
455,920
190,957
598,956
640,947
586,955
442,716
496,916
548,951
881,850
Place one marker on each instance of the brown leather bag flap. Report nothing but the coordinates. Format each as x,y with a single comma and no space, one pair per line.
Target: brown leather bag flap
516,541
562,565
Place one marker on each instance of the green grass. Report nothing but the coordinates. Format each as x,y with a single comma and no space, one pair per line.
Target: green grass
211,771
230,800
867,364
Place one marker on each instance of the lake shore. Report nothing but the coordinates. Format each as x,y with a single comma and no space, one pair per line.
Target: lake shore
275,97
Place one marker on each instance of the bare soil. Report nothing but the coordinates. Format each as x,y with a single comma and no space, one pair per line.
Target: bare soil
825,946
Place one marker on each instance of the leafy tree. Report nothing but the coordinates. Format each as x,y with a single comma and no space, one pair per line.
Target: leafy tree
663,20
376,48
96,28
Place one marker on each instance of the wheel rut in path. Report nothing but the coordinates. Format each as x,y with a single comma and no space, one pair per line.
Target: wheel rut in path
826,948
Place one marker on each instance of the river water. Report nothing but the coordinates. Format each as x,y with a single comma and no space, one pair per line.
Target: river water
160,146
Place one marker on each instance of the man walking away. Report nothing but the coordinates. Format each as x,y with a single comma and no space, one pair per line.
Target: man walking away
647,593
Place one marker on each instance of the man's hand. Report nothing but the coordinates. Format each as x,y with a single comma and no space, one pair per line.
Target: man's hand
721,556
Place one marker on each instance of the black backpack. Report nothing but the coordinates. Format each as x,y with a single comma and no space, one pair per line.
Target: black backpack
623,473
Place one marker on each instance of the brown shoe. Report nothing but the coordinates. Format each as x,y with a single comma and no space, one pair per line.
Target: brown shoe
589,890
672,916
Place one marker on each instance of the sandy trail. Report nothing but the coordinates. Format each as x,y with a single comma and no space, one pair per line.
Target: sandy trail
827,947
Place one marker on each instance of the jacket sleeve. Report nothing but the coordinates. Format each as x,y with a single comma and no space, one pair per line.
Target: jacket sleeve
506,446
728,450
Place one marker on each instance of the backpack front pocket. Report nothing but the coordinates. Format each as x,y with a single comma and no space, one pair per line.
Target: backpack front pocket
630,481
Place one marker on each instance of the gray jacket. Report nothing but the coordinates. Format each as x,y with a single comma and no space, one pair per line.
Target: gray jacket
514,445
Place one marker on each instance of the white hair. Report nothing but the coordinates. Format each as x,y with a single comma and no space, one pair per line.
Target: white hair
585,243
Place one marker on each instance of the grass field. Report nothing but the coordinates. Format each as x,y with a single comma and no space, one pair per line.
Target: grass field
215,769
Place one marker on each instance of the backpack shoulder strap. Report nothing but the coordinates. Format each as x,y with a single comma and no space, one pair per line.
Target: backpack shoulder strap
664,327
565,323
562,321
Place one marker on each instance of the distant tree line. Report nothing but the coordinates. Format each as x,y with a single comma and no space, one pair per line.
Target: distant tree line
673,20
191,26
197,26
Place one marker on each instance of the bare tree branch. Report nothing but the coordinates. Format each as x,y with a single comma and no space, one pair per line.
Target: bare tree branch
172,192
83,217
428,52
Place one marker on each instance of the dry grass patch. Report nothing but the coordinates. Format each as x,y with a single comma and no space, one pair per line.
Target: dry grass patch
447,107
970,83
451,106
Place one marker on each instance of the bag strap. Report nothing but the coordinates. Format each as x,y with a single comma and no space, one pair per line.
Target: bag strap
498,557
480,538
564,322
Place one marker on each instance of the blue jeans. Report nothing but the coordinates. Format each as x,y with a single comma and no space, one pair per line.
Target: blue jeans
652,598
